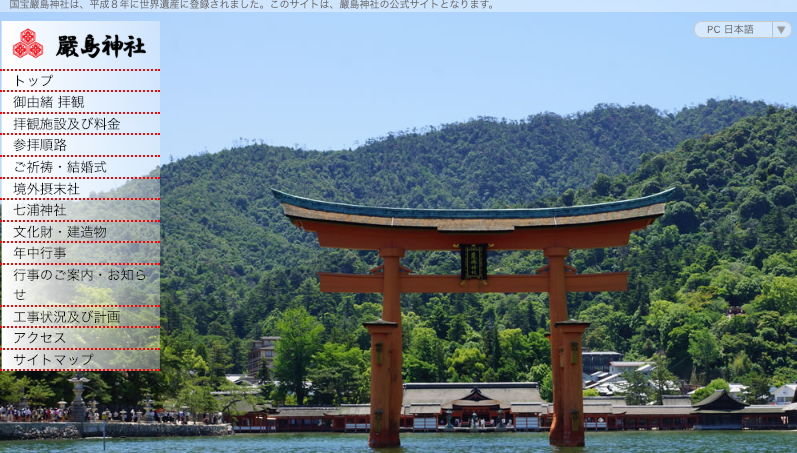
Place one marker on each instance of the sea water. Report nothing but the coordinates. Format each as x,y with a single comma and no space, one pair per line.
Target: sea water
603,442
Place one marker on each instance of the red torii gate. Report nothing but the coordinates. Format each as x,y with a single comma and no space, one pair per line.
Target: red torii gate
392,231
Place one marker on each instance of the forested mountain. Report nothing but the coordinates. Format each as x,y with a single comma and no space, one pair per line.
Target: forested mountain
234,268
222,228
234,264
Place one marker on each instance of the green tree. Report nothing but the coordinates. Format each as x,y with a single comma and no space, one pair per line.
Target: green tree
538,372
338,374
425,359
602,184
757,387
778,295
637,389
682,215
229,394
703,349
219,359
457,329
782,196
416,370
661,379
466,364
438,318
196,394
740,364
9,387
703,393
264,379
38,392
784,376
568,197
546,387
516,354
300,339
755,205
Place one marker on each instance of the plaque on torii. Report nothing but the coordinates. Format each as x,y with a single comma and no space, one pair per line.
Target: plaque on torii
473,232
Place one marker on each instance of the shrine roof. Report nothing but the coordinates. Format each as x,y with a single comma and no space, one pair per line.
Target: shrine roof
472,219
719,400
447,394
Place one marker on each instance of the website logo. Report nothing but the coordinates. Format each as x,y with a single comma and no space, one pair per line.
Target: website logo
28,45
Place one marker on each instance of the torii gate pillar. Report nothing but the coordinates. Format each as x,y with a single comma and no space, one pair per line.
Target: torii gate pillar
567,429
569,416
382,351
557,304
391,312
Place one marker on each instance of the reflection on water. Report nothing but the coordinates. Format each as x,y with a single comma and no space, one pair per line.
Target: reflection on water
620,442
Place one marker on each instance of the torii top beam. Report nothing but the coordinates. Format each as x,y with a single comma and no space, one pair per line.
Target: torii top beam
348,226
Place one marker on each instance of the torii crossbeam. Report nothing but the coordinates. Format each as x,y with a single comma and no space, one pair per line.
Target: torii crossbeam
392,231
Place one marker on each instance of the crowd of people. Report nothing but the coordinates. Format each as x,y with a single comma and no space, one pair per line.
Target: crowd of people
181,417
52,414
26,414
480,422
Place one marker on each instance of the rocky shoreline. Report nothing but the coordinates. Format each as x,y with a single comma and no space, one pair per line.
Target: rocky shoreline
30,431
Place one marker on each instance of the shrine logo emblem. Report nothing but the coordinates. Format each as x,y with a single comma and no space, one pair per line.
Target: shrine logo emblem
28,45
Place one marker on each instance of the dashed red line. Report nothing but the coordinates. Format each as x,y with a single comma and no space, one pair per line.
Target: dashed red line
78,369
80,349
80,177
80,327
82,70
80,264
79,306
81,199
81,242
80,91
67,221
80,133
80,155
80,113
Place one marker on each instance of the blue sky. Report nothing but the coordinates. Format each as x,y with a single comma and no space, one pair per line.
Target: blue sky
326,81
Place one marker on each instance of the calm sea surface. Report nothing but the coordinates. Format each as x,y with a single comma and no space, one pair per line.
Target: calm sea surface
625,442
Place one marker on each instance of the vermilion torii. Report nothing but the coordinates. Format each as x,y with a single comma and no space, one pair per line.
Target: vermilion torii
393,231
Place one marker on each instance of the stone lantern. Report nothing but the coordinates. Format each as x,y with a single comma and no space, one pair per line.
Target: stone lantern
93,404
23,401
149,417
501,426
77,410
449,426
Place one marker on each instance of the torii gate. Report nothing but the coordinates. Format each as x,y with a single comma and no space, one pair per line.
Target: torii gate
393,231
